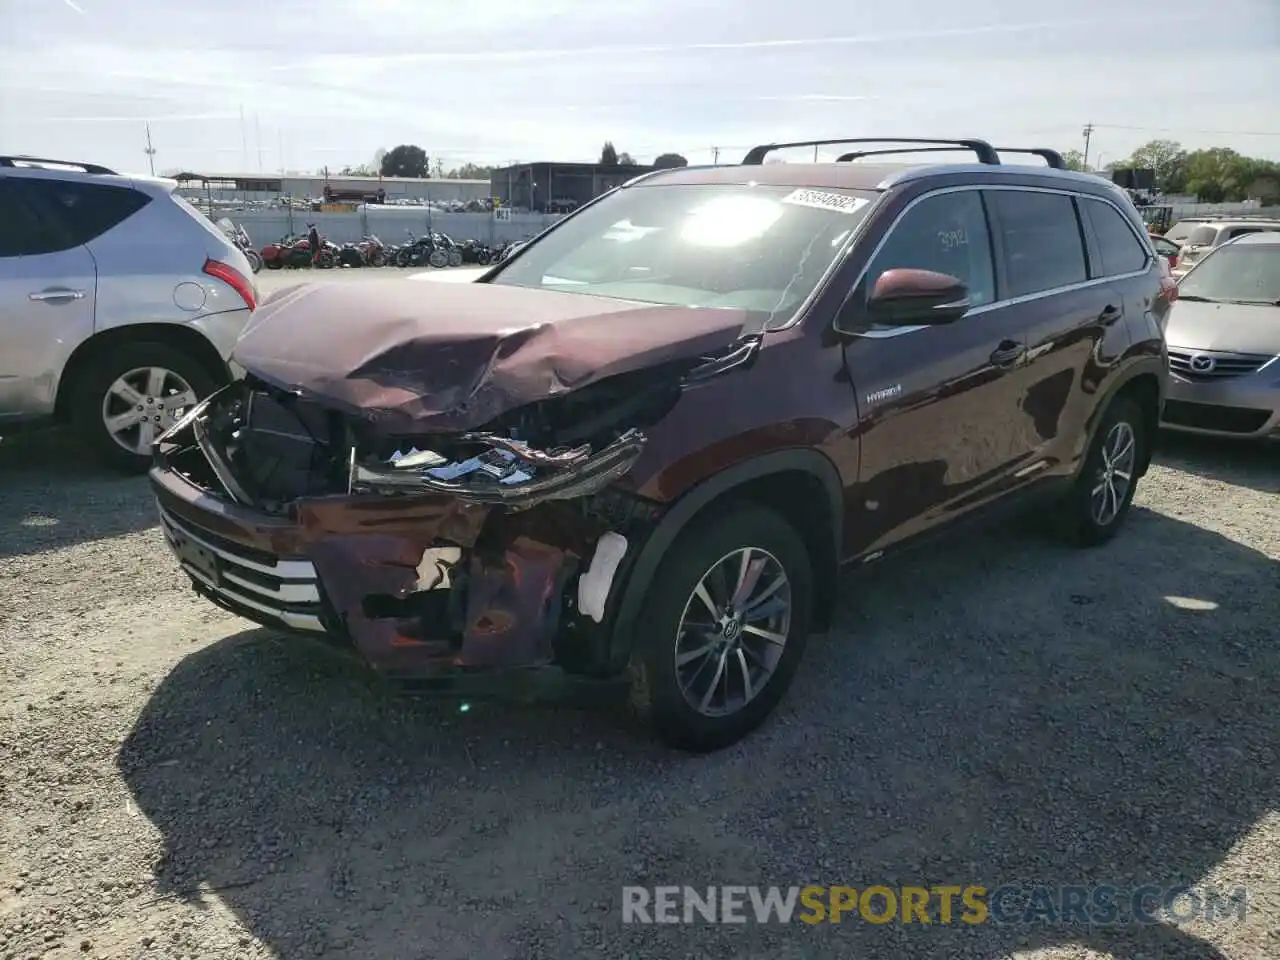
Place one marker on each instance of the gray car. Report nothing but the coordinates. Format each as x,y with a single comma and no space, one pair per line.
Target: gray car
1224,342
119,304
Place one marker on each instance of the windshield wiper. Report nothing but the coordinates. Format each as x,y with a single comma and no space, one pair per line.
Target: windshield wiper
1196,299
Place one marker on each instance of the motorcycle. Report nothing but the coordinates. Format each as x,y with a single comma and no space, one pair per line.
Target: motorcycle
351,255
286,252
419,251
451,250
473,251
372,250
236,234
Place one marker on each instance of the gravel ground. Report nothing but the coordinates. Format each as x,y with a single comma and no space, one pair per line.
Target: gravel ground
178,783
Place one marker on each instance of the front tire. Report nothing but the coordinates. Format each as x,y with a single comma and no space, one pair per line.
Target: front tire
725,625
131,395
1098,503
255,260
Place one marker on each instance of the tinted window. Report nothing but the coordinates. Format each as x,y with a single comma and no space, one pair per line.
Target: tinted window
1241,231
946,234
85,210
1118,248
1237,273
760,249
1042,245
24,231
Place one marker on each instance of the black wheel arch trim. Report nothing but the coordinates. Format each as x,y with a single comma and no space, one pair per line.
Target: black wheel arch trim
690,505
1152,366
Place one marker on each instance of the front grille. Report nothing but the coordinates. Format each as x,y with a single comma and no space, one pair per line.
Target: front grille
1191,364
1204,416
254,584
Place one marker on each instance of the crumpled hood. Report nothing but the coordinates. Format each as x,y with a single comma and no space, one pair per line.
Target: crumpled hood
411,357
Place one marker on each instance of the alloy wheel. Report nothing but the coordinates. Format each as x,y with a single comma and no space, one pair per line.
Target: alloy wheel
142,404
733,631
1114,475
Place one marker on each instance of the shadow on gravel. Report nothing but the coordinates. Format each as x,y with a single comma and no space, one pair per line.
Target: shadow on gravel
55,494
1007,711
1252,465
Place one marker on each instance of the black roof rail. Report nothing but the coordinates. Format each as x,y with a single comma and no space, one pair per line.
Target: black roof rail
985,152
1052,157
859,154
7,161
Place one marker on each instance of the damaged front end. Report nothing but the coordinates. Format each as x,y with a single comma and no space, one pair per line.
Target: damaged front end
435,553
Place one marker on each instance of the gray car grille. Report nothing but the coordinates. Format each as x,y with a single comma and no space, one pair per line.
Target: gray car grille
1204,365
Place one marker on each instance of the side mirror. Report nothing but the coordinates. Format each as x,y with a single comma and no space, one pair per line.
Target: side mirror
903,298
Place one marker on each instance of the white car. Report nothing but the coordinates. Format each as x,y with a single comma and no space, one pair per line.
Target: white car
119,304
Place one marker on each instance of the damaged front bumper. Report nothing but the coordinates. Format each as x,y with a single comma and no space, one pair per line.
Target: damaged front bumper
428,568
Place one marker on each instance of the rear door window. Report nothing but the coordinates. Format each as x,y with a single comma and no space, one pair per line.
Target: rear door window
947,234
25,230
1119,248
1043,248
85,210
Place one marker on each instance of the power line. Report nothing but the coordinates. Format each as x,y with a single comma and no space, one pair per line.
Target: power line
1211,133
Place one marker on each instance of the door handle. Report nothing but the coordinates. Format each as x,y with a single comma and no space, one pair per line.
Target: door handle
1110,315
1008,353
47,295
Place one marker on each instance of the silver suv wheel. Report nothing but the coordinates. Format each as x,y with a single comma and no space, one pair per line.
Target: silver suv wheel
733,632
142,404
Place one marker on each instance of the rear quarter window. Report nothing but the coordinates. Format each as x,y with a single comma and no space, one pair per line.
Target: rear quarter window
1119,248
85,211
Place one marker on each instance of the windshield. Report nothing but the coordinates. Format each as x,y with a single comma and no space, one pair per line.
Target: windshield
1237,274
762,249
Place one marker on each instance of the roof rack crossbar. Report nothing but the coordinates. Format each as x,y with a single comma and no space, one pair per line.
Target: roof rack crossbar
984,151
1052,157
858,154
9,161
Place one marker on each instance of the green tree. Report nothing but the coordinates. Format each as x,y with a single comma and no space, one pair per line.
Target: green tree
406,160
470,171
1166,158
1074,160
608,155
626,160
668,160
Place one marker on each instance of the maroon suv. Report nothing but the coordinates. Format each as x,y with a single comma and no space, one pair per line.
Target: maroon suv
644,446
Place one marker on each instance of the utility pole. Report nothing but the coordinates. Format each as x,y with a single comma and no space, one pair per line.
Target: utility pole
150,152
1088,135
815,154
715,155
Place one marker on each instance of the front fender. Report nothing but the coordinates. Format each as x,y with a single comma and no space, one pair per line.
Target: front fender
644,566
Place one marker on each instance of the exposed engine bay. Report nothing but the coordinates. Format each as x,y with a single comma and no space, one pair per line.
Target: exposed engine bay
494,547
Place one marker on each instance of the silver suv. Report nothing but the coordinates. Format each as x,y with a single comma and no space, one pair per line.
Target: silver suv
119,304
1213,233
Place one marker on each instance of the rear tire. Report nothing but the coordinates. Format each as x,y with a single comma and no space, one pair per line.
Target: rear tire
255,260
94,399
674,696
1095,509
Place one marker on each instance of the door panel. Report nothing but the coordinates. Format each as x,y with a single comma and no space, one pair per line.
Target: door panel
939,420
47,291
948,439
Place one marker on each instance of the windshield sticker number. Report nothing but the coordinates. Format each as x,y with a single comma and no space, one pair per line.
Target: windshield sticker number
822,200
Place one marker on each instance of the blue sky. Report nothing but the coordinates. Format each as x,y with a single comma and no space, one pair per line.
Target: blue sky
326,82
